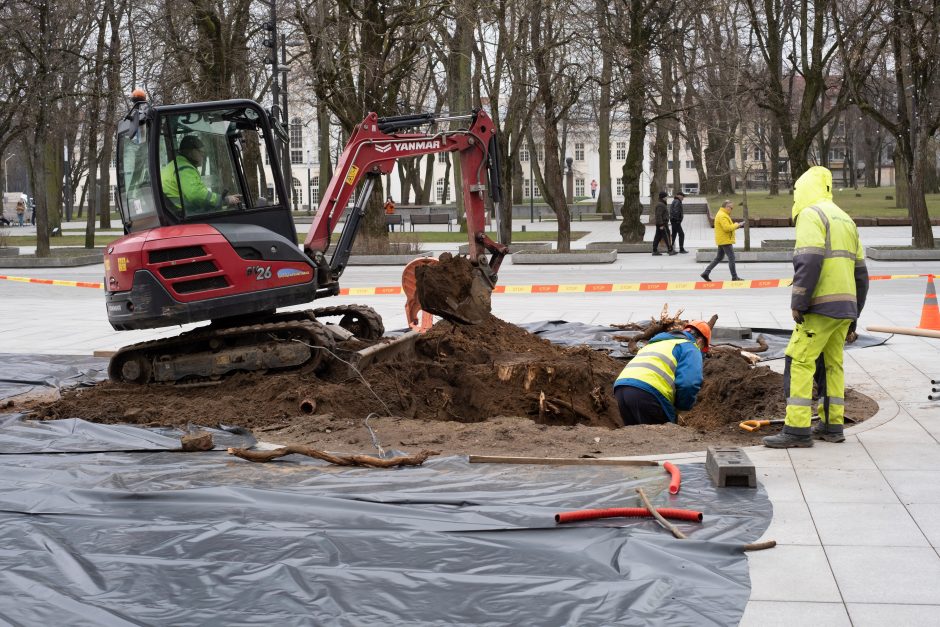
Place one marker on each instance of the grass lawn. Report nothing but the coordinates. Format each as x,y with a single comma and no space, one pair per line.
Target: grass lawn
865,202
423,237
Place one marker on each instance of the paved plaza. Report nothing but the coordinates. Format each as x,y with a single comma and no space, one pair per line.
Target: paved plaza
857,523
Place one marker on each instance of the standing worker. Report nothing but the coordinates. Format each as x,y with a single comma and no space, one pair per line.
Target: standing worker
665,375
661,215
724,238
830,283
675,219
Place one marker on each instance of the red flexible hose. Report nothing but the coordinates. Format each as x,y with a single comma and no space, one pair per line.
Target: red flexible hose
676,477
629,512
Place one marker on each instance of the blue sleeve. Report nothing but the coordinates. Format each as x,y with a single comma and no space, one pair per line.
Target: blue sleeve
688,374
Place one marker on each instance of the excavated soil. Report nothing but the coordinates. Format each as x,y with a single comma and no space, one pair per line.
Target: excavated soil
491,388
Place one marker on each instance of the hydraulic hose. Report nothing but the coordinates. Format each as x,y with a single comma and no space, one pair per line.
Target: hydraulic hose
628,512
676,477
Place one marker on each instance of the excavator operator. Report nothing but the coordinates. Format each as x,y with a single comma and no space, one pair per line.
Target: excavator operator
183,185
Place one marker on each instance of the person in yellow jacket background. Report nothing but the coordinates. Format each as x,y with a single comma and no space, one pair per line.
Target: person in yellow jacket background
830,284
724,238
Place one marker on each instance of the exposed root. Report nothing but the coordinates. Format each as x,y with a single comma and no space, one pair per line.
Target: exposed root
338,460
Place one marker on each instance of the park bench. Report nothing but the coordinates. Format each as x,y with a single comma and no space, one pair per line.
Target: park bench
431,218
392,219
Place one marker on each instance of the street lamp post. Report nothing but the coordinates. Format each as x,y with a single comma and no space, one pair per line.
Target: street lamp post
531,193
309,189
6,177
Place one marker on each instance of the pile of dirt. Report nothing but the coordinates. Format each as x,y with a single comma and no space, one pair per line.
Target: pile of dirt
491,388
454,289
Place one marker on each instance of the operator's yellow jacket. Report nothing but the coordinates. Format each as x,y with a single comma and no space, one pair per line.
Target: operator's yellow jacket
724,227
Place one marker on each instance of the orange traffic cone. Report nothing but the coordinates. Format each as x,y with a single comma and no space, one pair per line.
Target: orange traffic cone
930,315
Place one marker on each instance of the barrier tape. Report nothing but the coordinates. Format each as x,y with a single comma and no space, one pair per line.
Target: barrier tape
572,288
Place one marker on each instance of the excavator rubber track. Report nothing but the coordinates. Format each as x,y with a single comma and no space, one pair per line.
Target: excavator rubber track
211,352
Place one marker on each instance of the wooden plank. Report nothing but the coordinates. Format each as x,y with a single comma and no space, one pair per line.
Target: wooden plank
559,461
905,331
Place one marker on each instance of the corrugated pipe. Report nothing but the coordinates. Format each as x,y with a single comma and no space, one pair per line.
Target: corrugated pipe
676,477
628,512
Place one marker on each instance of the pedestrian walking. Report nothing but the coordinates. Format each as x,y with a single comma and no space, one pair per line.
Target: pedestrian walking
593,188
675,220
830,285
724,238
20,211
661,216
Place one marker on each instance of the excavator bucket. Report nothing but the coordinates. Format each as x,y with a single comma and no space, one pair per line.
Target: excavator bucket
454,289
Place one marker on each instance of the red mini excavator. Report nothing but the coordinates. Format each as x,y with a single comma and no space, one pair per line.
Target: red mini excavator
207,239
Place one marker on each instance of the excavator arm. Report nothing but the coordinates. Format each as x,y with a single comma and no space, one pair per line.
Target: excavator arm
372,150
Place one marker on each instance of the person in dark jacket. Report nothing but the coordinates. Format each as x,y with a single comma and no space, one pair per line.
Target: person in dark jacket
661,216
675,219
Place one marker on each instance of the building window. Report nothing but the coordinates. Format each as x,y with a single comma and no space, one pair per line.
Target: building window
526,190
669,147
782,166
439,191
669,164
579,151
579,187
621,151
524,154
689,164
296,141
618,188
540,152
836,154
442,157
314,189
758,154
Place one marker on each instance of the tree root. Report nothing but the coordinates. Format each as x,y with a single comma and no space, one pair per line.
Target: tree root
338,460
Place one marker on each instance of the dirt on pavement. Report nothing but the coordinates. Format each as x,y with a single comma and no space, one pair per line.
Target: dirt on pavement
491,388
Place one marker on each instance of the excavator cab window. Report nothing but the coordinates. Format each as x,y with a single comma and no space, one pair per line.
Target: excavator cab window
135,190
210,163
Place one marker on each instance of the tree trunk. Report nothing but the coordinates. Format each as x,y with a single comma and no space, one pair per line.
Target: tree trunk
632,229
920,218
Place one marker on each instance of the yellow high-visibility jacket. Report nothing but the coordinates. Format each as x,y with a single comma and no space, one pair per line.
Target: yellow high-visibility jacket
724,227
829,273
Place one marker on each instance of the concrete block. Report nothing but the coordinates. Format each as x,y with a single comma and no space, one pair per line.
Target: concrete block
705,255
28,261
903,254
622,247
778,244
463,249
556,258
384,260
10,251
729,467
894,221
730,333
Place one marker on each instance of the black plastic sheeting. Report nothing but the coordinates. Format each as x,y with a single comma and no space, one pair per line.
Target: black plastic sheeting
600,337
157,537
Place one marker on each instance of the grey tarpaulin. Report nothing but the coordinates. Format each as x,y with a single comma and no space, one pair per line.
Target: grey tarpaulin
121,538
601,338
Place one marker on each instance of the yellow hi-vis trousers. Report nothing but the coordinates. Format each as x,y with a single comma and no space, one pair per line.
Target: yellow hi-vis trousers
817,335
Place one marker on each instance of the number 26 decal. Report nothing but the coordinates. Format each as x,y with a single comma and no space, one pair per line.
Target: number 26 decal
260,272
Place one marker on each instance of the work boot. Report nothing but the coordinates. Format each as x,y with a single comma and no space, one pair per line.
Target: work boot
704,276
786,439
683,251
736,278
831,434
656,253
672,252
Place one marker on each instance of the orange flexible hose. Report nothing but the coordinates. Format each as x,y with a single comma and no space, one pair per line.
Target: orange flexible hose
628,512
676,477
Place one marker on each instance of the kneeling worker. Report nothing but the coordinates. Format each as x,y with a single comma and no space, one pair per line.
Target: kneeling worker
665,375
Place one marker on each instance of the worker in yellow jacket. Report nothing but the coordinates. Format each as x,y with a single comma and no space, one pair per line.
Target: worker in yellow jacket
724,238
830,283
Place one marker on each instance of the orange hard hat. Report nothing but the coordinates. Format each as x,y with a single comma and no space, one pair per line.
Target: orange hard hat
702,327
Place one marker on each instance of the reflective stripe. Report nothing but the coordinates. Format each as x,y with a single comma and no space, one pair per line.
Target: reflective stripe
802,402
859,263
799,290
825,221
841,253
832,298
665,375
809,250
835,400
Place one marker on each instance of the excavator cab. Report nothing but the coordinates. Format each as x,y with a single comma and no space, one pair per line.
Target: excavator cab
200,163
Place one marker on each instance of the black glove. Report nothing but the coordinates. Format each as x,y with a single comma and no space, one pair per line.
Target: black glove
853,326
797,316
